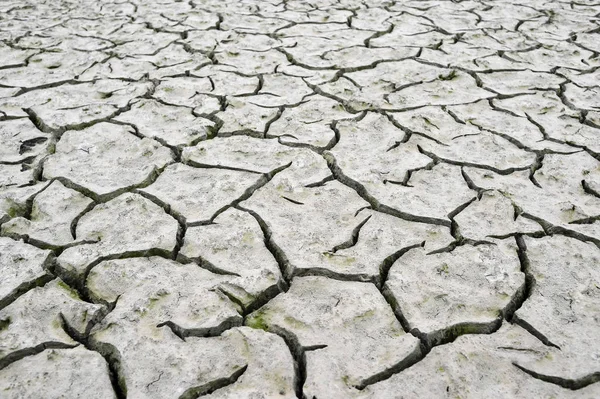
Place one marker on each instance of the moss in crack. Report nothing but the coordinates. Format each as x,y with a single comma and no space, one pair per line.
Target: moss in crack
258,321
15,210
70,291
346,380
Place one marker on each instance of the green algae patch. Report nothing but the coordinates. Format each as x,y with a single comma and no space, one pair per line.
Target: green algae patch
69,291
258,322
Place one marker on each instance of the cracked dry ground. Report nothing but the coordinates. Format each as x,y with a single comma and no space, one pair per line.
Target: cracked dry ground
294,199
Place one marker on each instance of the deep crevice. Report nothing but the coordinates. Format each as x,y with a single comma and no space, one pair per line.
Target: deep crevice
212,386
572,384
285,267
214,331
113,361
376,205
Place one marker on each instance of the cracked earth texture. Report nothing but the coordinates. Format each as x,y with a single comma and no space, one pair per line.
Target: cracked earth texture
295,199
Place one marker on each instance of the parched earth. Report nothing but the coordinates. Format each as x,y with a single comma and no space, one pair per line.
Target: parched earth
296,199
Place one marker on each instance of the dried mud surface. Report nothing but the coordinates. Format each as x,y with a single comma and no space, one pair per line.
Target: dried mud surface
296,199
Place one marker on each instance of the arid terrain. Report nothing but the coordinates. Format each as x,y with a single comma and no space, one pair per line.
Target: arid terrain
328,199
